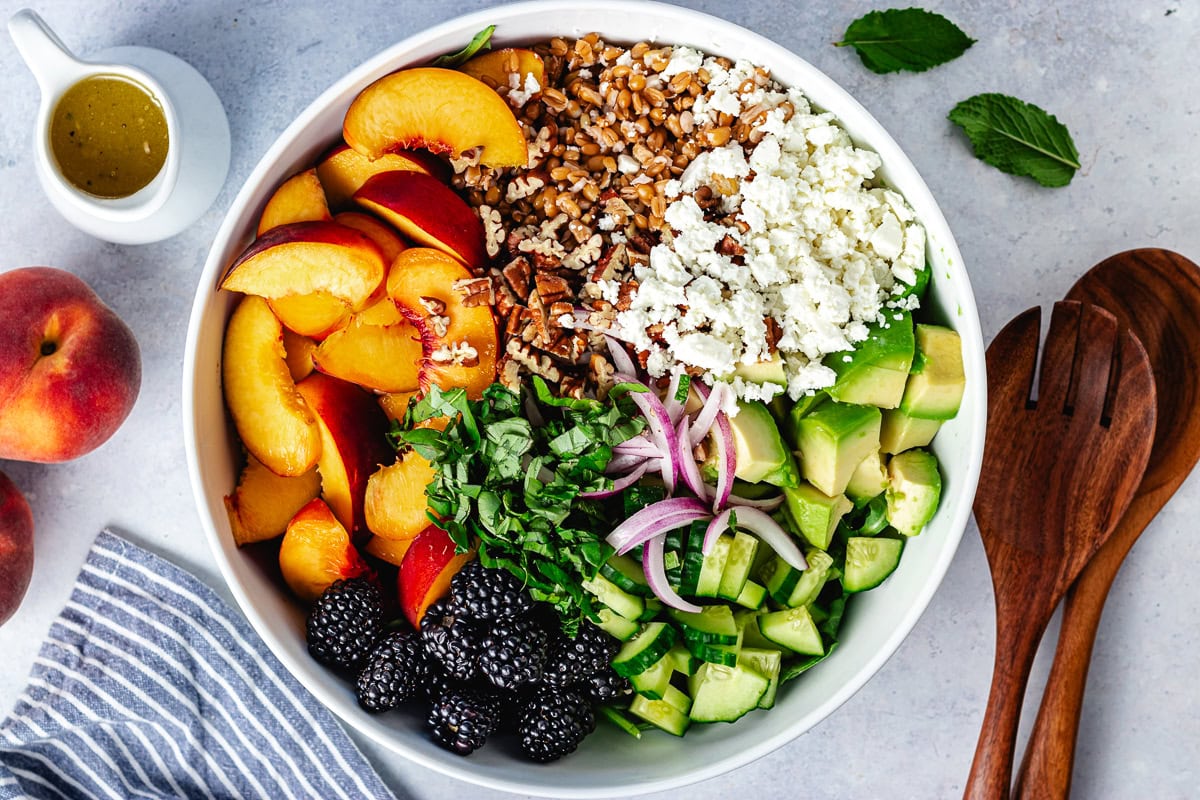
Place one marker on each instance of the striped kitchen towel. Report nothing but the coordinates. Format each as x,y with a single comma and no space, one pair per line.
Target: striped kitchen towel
150,686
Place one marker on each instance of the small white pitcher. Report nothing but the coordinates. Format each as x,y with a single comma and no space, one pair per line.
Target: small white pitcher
198,136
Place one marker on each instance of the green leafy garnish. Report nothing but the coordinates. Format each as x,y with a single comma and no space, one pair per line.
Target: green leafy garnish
905,39
513,487
481,41
1018,138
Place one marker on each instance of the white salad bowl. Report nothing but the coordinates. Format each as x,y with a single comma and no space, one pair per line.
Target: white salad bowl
609,763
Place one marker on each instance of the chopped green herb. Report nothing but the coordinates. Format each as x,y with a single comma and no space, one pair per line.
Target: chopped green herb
481,41
905,39
1018,138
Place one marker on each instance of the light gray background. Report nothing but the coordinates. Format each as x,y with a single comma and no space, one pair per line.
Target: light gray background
1121,74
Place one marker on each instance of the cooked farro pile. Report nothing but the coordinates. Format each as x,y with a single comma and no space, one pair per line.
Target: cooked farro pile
693,209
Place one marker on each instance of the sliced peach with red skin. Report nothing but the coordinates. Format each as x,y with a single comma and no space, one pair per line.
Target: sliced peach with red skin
428,212
272,418
495,67
298,199
425,572
443,110
314,315
343,169
390,550
384,235
316,551
353,443
395,504
306,257
263,503
386,358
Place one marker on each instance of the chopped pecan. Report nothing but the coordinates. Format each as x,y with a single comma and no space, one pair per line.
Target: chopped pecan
558,311
551,288
516,321
432,305
538,365
616,259
729,247
774,334
506,301
476,291
518,272
571,386
625,298
602,372
706,198
510,373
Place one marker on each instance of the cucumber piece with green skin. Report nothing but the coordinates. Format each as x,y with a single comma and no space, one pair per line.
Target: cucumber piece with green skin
747,622
758,447
617,718
682,660
653,681
812,580
753,595
629,606
666,713
935,392
869,560
711,625
653,607
766,662
914,490
815,513
899,432
714,653
708,582
627,575
615,625
642,651
691,558
876,371
794,629
779,578
833,440
869,478
725,693
742,550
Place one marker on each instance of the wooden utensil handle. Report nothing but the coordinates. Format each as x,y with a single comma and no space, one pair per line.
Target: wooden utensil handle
1017,636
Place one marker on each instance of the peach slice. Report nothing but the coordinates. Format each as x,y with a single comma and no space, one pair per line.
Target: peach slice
298,199
353,443
298,353
263,503
384,235
395,404
313,315
343,169
386,358
272,418
427,211
316,551
442,110
495,67
390,550
308,257
395,502
425,572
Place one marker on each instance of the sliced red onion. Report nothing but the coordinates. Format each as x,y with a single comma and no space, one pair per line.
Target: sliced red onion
620,484
707,415
656,576
766,503
719,525
673,406
623,462
654,519
687,462
726,462
638,446
662,433
769,531
620,358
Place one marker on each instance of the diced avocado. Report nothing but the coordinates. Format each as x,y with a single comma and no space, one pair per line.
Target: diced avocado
918,286
787,413
758,447
914,488
876,371
900,432
935,389
816,513
770,371
786,474
869,478
832,440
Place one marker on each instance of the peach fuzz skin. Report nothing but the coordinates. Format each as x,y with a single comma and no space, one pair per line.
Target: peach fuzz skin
16,547
70,369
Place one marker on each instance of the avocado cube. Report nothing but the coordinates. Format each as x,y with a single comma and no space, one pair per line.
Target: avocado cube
935,389
757,445
868,480
899,431
833,440
876,371
815,513
914,489
769,371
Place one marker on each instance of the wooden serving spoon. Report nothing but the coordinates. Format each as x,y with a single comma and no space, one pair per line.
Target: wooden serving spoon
1060,471
1156,294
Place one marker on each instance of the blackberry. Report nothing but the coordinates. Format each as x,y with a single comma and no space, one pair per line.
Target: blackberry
606,686
437,683
571,661
489,594
553,724
450,641
462,719
513,652
394,673
345,622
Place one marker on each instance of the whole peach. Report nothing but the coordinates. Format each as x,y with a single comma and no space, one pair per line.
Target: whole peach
70,369
16,547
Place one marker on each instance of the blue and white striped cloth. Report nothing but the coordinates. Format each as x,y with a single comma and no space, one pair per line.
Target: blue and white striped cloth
150,686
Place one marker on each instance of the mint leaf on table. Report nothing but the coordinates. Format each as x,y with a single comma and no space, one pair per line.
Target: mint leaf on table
905,39
481,41
1018,138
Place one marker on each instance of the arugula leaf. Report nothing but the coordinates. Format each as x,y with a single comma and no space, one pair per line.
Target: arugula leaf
905,39
1018,138
481,41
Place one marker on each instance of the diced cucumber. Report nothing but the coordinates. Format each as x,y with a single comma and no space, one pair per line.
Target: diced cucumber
618,718
712,625
642,651
753,595
869,560
628,605
794,629
693,558
682,660
653,681
812,580
747,622
737,566
725,693
615,625
779,578
665,713
767,662
708,583
726,654
653,606
627,575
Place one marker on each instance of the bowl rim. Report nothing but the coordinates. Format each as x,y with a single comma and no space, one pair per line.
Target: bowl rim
966,323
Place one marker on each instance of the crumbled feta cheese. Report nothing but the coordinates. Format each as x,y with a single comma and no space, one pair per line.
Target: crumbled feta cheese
683,59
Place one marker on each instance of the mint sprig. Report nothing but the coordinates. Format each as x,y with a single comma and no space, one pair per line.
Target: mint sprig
481,41
1018,138
905,39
